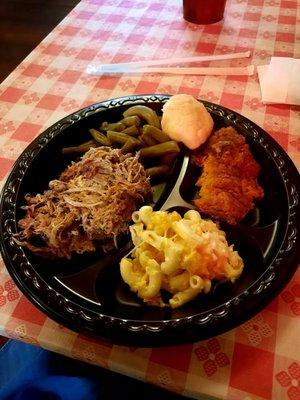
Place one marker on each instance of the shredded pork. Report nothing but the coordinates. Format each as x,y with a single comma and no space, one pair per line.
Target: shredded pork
92,201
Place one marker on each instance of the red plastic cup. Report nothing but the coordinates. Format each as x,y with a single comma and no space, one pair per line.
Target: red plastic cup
203,11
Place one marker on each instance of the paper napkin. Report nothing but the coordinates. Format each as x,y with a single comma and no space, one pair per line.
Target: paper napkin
280,81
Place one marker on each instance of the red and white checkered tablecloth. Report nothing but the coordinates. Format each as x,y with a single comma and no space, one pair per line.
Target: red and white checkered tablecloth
258,360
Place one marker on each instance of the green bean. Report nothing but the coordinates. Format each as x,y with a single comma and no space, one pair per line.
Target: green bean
159,171
113,126
132,120
155,133
168,159
145,113
132,130
160,150
100,137
148,140
131,144
117,137
82,148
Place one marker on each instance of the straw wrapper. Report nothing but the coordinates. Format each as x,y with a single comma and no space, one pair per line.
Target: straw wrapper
150,66
193,71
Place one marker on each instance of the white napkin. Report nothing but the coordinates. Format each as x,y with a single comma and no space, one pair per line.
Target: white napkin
280,81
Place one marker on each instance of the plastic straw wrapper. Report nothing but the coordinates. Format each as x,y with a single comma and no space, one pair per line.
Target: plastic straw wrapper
246,71
128,67
197,71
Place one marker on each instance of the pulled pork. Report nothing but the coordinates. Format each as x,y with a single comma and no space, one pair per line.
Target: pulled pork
92,201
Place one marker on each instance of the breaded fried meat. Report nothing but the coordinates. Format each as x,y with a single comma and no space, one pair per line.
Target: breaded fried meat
228,183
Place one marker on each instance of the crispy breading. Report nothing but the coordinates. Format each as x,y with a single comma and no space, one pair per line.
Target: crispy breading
228,183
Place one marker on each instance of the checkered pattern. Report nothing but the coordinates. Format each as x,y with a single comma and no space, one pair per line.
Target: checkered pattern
258,360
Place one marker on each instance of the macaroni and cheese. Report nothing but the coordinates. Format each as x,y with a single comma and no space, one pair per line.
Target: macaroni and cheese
179,255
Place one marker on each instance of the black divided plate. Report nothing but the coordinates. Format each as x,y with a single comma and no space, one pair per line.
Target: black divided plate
87,294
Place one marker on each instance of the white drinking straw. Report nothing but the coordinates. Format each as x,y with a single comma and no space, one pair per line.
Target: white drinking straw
127,67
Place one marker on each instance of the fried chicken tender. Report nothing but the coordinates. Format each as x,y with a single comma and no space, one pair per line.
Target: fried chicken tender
228,184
